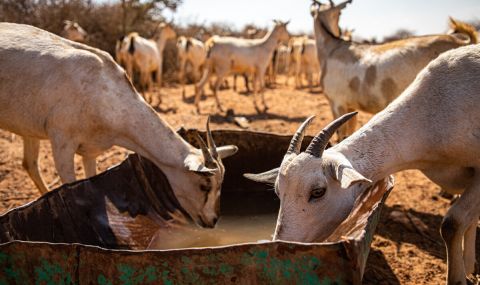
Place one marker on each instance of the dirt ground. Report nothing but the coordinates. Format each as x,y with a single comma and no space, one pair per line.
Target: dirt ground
408,252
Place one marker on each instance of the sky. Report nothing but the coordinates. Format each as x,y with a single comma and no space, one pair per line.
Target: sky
369,18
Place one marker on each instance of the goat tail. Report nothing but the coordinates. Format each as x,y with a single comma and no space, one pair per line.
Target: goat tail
209,44
274,56
302,49
189,44
131,48
464,28
207,70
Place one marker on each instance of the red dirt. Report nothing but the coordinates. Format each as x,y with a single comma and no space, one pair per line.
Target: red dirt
400,254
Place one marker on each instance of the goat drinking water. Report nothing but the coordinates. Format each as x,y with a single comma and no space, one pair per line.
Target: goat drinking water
77,97
434,126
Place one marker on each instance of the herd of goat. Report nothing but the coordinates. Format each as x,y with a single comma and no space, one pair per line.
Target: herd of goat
424,90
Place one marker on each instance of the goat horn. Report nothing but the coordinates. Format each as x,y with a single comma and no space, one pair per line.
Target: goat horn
331,3
211,143
296,142
209,161
320,141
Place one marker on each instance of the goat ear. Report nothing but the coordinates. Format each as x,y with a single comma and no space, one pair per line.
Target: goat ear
350,176
198,168
268,177
226,151
347,176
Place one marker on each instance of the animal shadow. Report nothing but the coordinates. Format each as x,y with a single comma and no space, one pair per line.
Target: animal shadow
428,240
378,271
228,117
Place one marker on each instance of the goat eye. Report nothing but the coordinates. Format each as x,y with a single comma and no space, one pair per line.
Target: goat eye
317,193
205,188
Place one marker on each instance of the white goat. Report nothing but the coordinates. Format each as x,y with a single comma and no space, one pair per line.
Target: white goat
77,97
73,32
368,77
121,52
276,65
190,51
244,56
309,62
295,60
434,126
281,62
147,54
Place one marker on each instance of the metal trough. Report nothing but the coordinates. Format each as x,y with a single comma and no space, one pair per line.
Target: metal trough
72,235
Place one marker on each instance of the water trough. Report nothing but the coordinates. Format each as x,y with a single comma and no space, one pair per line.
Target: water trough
96,231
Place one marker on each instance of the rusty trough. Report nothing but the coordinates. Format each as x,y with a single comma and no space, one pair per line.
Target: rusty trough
95,231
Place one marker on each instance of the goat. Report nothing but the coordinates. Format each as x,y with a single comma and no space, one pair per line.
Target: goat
143,56
309,61
73,32
237,55
295,60
77,97
146,55
433,126
121,52
278,60
281,61
190,51
376,74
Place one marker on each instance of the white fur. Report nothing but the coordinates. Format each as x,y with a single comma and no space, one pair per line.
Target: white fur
147,56
295,60
434,126
229,55
368,77
310,66
195,55
77,97
74,32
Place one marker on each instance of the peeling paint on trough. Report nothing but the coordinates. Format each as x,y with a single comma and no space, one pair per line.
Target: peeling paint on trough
68,236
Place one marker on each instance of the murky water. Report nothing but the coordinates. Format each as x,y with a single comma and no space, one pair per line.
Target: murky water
229,230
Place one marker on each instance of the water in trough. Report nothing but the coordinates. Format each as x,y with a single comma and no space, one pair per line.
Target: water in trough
229,230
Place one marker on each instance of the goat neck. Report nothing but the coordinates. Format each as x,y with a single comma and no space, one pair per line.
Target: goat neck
385,144
161,41
326,41
154,139
270,40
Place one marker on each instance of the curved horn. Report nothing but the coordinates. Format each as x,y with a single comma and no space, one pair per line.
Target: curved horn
331,3
209,161
211,143
296,142
320,141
